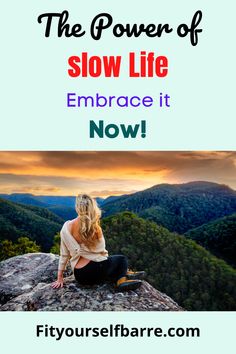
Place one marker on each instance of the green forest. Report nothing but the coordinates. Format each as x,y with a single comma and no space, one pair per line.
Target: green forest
183,236
219,237
179,267
180,207
23,245
38,224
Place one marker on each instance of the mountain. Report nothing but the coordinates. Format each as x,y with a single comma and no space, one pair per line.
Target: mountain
177,266
112,198
63,206
66,201
40,200
66,213
219,237
24,198
36,223
178,207
100,201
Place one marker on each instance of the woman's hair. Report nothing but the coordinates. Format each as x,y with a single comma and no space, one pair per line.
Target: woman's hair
89,219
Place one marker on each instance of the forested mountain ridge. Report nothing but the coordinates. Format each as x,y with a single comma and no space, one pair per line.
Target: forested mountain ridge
24,198
178,207
219,237
175,265
39,200
63,206
36,223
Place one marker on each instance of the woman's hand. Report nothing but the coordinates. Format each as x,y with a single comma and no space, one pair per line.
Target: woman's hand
58,284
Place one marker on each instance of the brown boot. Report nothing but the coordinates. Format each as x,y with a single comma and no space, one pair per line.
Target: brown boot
135,275
123,284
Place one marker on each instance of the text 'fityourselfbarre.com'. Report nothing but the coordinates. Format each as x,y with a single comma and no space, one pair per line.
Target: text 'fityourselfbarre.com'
140,65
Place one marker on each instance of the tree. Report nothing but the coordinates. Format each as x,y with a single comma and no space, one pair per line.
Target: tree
56,244
21,246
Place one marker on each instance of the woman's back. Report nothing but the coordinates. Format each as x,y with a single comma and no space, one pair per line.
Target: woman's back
73,227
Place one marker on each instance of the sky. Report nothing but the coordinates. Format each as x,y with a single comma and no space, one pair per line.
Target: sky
104,173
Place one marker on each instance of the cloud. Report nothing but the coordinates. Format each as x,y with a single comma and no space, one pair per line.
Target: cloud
10,183
114,172
36,190
105,193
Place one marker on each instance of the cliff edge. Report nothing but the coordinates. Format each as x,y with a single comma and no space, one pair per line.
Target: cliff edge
25,285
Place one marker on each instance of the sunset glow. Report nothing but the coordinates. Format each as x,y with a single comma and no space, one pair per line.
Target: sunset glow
110,173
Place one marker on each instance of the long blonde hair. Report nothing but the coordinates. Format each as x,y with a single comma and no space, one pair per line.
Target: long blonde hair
89,219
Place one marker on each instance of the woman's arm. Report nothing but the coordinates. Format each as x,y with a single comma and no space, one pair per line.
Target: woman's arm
64,257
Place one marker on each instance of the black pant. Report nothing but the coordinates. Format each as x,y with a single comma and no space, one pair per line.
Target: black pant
113,268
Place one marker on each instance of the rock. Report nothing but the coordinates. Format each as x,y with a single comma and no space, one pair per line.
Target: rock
25,285
21,274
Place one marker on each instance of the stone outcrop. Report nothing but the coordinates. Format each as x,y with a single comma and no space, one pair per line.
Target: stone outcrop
25,285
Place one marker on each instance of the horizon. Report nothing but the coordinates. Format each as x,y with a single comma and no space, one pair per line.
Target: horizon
118,195
110,173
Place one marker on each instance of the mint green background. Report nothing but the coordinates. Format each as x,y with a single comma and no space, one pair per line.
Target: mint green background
33,115
201,79
18,332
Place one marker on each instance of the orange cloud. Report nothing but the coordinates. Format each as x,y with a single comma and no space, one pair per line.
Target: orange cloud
113,172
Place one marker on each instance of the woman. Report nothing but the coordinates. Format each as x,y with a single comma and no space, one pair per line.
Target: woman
83,243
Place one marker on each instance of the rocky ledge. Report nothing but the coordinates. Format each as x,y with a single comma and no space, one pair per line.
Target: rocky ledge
25,285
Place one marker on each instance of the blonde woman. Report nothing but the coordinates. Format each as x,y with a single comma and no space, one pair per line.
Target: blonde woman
82,243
